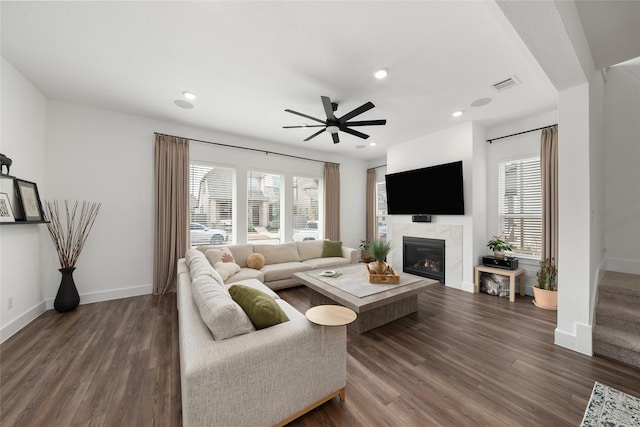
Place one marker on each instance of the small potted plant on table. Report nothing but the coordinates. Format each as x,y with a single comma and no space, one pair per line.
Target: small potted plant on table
379,250
545,293
498,245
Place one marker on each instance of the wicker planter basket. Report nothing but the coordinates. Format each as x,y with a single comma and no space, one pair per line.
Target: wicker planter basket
389,278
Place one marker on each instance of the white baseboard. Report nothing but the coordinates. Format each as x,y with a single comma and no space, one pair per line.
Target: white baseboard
629,266
21,321
580,342
109,295
468,286
24,319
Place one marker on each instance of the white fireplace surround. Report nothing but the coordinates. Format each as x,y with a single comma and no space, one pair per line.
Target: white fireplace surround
450,233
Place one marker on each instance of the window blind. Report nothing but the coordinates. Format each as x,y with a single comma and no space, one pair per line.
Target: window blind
211,202
520,205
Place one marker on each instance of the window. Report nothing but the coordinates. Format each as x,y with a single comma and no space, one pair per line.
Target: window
263,199
381,210
211,203
305,209
520,205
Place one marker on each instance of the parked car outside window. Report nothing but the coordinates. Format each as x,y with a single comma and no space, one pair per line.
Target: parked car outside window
203,235
310,232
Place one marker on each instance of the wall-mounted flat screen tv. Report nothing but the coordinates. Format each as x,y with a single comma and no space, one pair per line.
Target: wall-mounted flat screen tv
434,190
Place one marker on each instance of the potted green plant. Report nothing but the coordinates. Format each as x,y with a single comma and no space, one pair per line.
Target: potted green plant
499,245
379,250
365,255
545,293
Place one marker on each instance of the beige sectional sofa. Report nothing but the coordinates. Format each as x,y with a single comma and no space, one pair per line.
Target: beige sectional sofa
281,260
248,377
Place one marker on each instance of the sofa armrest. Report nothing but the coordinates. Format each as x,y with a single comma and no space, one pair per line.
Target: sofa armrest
350,254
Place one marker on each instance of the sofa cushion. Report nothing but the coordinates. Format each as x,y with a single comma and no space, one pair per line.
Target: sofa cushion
222,315
241,253
226,269
255,260
220,254
199,266
331,248
253,283
246,273
310,249
285,270
263,310
324,263
276,254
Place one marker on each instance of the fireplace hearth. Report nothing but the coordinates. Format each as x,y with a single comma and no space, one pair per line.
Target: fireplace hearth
424,257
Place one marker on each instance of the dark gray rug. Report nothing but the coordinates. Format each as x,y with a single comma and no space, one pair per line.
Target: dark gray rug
611,408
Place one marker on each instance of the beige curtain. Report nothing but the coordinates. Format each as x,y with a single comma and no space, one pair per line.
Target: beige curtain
332,201
549,181
171,238
371,205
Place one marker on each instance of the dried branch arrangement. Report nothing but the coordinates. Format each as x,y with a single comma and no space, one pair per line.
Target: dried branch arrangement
70,235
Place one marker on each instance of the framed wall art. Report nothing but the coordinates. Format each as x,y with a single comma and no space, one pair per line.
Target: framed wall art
6,213
29,200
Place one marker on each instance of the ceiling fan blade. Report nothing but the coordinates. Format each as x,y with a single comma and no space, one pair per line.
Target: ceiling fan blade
304,115
361,109
304,126
366,123
316,134
354,132
335,138
328,108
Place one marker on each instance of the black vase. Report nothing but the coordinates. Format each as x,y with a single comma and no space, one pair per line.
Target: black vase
67,298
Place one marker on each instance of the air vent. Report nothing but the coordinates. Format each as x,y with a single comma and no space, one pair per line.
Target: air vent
506,84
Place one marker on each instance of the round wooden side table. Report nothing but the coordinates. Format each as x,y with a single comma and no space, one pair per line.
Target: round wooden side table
330,315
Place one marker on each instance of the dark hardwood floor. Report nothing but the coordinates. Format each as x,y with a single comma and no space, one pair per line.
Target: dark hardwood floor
462,360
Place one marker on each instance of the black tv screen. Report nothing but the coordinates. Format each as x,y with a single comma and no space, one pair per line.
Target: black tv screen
434,190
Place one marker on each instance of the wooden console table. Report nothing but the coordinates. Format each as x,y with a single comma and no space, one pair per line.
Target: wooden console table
518,273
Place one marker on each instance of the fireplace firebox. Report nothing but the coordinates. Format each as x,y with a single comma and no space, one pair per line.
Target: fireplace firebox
423,257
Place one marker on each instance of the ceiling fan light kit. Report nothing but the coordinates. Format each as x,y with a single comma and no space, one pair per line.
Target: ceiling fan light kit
334,124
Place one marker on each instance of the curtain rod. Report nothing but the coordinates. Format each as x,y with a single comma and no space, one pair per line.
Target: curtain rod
377,167
520,133
247,148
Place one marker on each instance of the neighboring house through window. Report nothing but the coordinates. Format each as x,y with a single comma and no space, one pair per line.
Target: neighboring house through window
520,205
263,199
211,203
306,224
381,210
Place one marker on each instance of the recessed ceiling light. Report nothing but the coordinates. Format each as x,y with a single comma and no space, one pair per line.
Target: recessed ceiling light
457,114
381,73
372,144
189,95
183,104
480,102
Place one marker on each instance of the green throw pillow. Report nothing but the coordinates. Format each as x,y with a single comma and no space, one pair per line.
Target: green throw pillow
263,311
331,248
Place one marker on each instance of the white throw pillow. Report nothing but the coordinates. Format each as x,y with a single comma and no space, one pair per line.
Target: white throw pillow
222,315
227,269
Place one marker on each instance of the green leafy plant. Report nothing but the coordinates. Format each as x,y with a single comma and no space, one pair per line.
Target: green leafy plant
547,274
499,244
379,249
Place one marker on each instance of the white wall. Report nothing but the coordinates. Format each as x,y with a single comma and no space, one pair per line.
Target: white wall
525,145
622,157
23,119
448,145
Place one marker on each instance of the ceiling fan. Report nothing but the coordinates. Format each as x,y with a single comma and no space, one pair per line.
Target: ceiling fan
334,124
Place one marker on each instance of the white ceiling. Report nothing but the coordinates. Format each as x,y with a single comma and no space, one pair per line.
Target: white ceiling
249,61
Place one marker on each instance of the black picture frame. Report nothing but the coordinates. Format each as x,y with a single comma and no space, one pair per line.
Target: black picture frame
29,200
